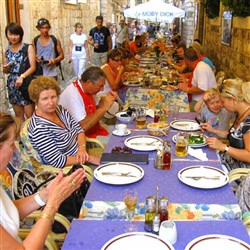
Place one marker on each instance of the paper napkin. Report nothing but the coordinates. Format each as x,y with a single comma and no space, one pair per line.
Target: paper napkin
198,153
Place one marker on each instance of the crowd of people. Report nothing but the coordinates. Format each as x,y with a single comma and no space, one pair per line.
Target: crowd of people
59,122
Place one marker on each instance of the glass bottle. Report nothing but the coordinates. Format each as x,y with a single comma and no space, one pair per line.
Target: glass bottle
167,159
163,208
150,213
156,115
156,224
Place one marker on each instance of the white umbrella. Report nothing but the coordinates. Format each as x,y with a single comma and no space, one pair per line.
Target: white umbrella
155,11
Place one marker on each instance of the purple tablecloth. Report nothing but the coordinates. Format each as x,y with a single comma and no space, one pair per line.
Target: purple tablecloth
167,180
92,235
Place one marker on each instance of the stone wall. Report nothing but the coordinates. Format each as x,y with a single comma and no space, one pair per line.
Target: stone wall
234,60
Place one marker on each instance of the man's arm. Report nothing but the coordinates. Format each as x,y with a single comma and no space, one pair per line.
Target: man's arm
60,51
106,102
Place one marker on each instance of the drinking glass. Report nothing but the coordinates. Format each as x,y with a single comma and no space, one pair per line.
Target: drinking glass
168,231
141,118
130,200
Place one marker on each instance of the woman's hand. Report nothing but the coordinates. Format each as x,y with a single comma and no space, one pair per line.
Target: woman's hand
215,143
19,82
62,187
6,68
82,156
207,127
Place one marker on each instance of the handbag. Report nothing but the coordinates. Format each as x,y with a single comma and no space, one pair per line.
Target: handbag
25,64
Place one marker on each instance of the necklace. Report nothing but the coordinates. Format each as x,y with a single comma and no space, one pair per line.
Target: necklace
237,121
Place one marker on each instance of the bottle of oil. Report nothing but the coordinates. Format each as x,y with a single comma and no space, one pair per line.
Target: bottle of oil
150,213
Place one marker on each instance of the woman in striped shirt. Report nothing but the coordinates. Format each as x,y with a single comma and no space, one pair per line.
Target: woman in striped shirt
58,138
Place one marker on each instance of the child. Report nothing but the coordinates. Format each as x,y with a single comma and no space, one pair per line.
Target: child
210,110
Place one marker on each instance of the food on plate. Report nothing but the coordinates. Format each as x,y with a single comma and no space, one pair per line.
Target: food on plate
196,138
124,150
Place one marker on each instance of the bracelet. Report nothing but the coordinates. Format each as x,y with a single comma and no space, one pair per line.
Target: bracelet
23,76
53,61
83,145
46,216
39,201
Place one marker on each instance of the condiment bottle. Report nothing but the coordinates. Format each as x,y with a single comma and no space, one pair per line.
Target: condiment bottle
150,213
163,116
159,157
163,208
156,115
156,224
167,159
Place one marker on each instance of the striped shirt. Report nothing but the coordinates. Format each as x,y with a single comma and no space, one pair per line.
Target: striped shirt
53,142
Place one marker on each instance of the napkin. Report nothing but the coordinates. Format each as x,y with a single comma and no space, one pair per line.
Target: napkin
198,153
150,112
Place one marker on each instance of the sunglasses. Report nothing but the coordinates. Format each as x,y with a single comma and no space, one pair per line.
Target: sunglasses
222,91
116,60
42,22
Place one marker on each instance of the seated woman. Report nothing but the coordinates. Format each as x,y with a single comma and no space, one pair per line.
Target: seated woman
113,70
236,98
58,138
50,197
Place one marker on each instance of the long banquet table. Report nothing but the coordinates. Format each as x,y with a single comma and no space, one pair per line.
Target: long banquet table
92,235
106,201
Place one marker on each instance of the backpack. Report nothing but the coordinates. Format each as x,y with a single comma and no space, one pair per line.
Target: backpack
54,39
243,193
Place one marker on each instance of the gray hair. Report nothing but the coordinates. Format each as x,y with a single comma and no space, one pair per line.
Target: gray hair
93,74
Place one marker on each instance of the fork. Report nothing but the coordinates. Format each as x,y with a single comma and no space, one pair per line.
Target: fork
196,178
143,143
118,174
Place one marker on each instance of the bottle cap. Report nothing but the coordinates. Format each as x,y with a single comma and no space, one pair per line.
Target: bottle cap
163,201
150,201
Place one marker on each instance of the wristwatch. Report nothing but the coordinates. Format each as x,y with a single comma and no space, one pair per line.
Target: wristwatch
226,149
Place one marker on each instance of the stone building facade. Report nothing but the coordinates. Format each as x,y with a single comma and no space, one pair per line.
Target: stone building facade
233,59
62,17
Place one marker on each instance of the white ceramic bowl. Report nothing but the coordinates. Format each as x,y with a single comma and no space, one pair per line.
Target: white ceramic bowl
125,119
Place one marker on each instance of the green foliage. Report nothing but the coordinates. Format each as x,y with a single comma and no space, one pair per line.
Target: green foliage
212,8
238,7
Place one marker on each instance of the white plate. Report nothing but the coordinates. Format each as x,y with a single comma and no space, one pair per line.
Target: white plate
217,241
132,84
112,173
210,173
141,142
192,145
137,240
128,132
185,125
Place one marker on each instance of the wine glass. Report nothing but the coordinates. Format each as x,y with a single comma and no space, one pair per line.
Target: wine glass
130,200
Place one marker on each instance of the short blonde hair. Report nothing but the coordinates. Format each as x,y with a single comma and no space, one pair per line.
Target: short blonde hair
40,84
232,88
214,92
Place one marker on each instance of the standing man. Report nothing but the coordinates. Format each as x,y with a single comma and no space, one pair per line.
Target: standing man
48,49
122,34
100,39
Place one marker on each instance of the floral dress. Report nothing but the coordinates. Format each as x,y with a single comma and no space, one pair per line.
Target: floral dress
15,59
235,137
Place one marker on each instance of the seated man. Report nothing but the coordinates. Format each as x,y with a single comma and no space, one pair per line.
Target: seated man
136,46
202,77
79,99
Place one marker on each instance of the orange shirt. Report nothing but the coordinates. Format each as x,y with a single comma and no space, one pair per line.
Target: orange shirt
133,48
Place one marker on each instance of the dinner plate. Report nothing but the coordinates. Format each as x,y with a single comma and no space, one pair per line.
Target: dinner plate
198,145
185,125
217,241
204,177
133,84
118,173
137,240
128,132
143,142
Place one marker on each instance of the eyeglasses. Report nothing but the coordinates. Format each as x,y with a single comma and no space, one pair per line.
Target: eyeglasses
117,59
